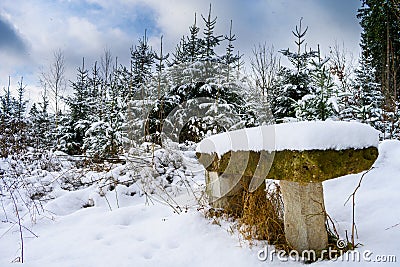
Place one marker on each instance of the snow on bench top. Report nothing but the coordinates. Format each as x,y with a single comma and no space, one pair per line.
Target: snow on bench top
300,136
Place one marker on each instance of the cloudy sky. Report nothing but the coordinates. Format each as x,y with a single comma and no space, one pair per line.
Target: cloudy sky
30,31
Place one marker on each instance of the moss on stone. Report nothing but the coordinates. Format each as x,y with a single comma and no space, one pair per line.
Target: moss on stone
320,165
297,166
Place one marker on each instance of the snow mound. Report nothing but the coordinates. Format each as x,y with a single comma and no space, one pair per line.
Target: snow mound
305,135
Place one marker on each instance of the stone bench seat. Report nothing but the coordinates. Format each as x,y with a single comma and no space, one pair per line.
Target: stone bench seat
296,166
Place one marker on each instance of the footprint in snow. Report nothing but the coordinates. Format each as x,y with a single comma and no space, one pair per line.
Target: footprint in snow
147,255
173,245
140,238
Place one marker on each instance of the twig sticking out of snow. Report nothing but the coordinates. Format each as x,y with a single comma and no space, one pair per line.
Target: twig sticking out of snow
353,197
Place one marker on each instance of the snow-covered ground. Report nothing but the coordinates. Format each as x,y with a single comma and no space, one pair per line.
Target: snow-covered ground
124,228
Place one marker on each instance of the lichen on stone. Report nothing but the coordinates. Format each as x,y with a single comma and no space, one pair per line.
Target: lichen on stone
297,166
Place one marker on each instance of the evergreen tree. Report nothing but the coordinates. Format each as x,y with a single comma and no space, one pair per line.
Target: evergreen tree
106,138
195,110
230,59
211,41
21,104
14,136
160,77
293,83
368,99
142,59
161,82
6,115
180,54
194,43
195,59
77,122
321,102
203,82
42,124
94,94
117,135
6,103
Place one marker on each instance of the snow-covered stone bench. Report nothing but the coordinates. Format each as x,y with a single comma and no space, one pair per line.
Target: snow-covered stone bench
301,155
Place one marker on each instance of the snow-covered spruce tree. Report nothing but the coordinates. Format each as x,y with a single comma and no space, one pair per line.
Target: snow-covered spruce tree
346,100
6,112
42,124
211,41
97,92
14,136
160,79
187,55
95,96
195,110
135,82
204,97
75,124
159,84
191,50
142,60
321,102
21,103
230,59
22,138
367,98
35,131
295,82
106,137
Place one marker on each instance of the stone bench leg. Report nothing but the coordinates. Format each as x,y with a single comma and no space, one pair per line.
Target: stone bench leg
304,215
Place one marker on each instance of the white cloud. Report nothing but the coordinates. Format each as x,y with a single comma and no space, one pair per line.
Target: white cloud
83,35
